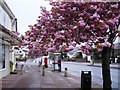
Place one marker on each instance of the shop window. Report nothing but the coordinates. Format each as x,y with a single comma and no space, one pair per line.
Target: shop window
2,56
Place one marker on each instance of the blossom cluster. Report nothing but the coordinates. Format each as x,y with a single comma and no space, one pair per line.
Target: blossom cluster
72,23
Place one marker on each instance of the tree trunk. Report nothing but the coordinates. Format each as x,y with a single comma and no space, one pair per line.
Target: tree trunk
106,69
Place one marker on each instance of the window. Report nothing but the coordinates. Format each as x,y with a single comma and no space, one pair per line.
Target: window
0,15
4,20
2,56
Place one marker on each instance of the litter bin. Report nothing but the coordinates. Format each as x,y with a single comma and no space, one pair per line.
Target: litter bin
86,80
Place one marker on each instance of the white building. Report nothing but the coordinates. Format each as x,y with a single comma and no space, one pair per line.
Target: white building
8,23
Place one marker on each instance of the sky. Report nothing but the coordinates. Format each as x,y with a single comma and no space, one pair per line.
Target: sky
26,12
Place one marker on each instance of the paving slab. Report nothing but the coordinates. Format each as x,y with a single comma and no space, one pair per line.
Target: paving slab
32,79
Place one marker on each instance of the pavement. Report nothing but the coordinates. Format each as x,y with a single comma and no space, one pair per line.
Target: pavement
31,79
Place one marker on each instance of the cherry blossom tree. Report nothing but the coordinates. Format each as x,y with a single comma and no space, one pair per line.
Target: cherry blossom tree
71,23
46,36
95,23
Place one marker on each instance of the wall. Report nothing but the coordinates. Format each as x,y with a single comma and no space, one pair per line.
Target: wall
5,19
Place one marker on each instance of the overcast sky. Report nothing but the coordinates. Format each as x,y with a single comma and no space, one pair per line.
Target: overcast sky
26,12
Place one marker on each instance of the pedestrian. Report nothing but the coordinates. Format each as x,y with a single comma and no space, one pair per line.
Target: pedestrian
40,64
59,64
93,57
46,62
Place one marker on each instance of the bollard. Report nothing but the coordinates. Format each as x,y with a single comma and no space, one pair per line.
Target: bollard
39,68
43,71
22,68
16,66
116,60
65,74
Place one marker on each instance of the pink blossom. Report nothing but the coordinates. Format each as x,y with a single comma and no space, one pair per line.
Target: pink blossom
110,22
68,49
71,47
106,44
116,20
96,15
82,23
99,9
74,27
114,6
106,26
52,49
31,38
93,26
73,43
87,27
26,42
93,7
61,17
62,10
88,47
26,37
99,49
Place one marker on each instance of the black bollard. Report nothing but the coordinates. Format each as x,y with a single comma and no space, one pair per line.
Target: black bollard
22,66
43,71
65,74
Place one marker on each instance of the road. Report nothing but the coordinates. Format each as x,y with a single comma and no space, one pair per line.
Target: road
75,68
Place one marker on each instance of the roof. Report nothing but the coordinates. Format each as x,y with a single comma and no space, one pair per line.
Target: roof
8,36
7,9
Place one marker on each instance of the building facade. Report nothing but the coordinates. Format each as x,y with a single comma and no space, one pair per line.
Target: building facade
8,24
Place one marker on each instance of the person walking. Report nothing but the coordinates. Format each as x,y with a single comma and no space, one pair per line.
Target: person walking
40,62
46,62
59,65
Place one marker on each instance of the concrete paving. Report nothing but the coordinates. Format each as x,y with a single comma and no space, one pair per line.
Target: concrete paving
32,78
